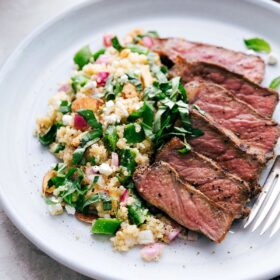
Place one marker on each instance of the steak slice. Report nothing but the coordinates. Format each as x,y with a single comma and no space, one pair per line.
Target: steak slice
229,152
223,188
259,134
161,186
250,66
263,100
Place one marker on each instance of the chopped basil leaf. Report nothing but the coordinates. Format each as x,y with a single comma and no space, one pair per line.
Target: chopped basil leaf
158,74
112,87
99,197
275,83
128,160
78,154
98,53
116,44
137,213
77,82
89,116
90,136
65,107
59,147
136,82
111,138
49,137
132,136
82,57
146,112
138,49
258,45
186,148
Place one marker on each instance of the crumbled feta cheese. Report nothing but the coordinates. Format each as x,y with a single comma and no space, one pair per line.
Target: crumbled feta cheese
251,52
70,210
145,237
57,191
137,127
123,78
272,59
55,209
111,119
67,120
90,85
105,169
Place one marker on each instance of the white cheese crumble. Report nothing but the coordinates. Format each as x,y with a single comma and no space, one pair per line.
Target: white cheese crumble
272,59
70,210
105,169
67,120
145,237
55,209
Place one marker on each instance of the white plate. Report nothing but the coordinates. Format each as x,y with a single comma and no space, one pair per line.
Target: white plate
32,74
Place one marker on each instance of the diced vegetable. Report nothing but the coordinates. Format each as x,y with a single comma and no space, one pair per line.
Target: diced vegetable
59,147
82,57
115,159
275,83
138,49
80,123
102,78
106,226
152,252
258,45
100,196
147,42
107,40
78,82
137,213
90,118
65,107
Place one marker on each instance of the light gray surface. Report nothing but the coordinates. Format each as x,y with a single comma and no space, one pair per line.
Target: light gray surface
20,259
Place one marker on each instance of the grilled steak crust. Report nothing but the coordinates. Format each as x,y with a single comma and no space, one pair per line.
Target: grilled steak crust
225,189
225,149
263,100
250,66
161,186
259,134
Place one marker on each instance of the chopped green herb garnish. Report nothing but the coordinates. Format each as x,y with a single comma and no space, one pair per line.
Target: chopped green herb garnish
99,197
59,147
89,116
78,82
98,53
107,226
136,82
82,57
111,138
138,49
137,213
275,83
50,135
116,44
258,45
65,107
132,136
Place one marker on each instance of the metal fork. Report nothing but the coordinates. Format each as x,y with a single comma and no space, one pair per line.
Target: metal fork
266,209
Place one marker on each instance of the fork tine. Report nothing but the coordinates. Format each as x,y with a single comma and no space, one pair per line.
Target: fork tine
274,212
276,227
261,198
268,205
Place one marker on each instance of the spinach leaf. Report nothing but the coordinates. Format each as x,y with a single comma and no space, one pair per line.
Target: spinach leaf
258,45
116,44
111,138
50,135
132,136
89,116
82,57
98,53
275,83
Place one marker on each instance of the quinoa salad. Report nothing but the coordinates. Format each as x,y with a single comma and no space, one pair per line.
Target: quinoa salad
109,118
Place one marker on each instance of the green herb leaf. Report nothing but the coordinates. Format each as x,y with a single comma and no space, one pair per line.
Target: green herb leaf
132,136
59,147
100,196
116,44
137,213
89,116
128,160
77,82
138,49
98,53
65,107
258,45
275,83
199,110
49,137
111,138
107,226
136,82
82,57
90,136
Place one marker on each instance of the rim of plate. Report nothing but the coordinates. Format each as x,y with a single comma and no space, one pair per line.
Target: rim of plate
10,212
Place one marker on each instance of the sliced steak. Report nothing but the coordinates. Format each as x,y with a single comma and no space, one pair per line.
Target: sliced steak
223,188
229,152
161,186
259,134
263,100
250,66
